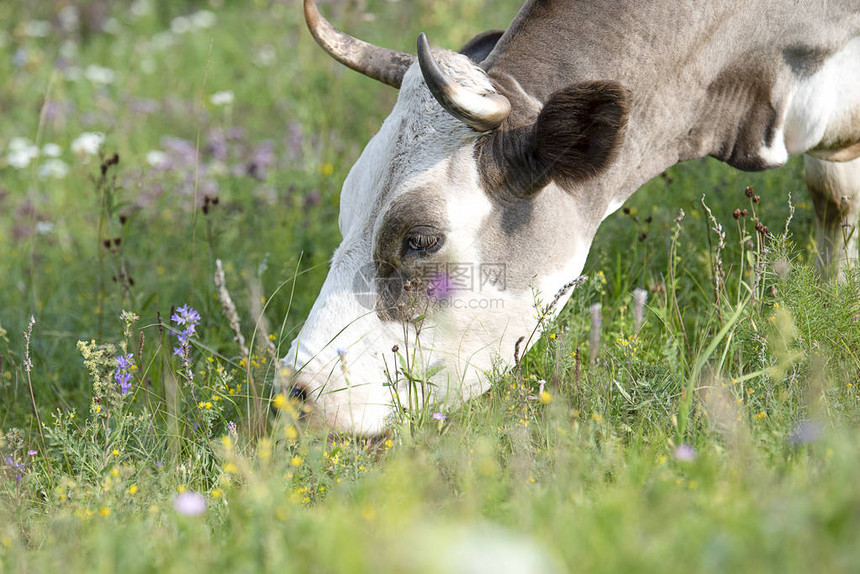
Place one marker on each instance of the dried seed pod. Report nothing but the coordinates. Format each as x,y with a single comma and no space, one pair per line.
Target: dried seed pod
749,191
736,214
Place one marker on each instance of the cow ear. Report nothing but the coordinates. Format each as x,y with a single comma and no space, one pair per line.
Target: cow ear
579,130
479,47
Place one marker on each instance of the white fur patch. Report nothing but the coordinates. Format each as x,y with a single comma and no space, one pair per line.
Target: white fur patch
825,102
776,154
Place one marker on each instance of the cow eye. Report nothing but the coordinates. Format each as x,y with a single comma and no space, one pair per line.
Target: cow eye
422,241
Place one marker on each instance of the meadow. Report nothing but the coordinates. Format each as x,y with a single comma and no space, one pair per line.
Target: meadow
694,408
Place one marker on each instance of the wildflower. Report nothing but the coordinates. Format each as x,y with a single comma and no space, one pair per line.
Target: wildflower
54,168
296,461
99,74
189,318
685,453
21,152
157,158
185,315
189,503
132,490
88,143
32,452
224,98
545,397
52,150
280,401
122,374
17,466
35,28
806,432
438,417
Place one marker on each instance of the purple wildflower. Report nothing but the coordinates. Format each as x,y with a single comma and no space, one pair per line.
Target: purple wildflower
438,417
189,318
685,453
124,361
122,375
32,452
189,503
19,468
806,432
185,315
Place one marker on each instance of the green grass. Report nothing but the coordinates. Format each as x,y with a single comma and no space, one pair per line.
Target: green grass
587,479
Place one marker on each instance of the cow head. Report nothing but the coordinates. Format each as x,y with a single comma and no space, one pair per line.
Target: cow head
470,204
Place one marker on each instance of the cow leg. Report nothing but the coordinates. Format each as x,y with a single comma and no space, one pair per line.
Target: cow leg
835,191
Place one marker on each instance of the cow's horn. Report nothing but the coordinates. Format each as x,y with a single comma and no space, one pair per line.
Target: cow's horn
381,64
480,112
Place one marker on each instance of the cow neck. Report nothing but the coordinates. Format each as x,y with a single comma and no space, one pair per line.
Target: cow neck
670,56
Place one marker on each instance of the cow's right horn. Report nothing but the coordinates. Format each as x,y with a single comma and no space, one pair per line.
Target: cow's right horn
387,66
481,112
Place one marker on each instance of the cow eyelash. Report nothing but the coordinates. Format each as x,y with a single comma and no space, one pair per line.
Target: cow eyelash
422,242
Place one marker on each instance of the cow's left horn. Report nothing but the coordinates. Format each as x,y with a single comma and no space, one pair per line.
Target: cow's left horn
387,66
481,112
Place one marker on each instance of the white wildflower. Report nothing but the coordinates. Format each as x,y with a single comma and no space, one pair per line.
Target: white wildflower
141,8
69,18
36,28
202,19
88,143
44,227
265,56
53,167
52,150
224,98
162,41
99,74
180,25
21,152
157,158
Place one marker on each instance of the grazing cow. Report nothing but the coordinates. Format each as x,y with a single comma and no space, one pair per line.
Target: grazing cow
488,180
